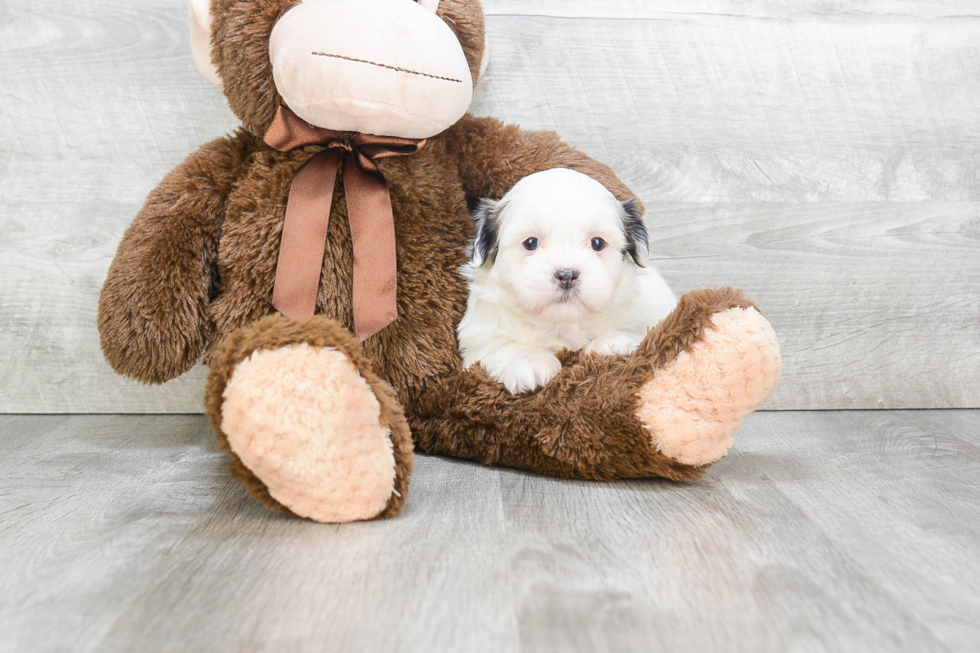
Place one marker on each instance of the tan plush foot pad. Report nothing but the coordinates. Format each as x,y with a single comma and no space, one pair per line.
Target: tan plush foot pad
694,404
308,426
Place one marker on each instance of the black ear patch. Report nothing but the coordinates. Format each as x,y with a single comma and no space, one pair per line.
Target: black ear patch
637,240
486,242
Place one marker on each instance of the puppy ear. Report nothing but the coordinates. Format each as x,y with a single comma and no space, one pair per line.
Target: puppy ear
486,243
637,240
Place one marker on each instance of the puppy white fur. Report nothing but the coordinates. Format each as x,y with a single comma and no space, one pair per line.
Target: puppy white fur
558,263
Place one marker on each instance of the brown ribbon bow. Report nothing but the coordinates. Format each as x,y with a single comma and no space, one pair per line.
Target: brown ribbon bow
372,224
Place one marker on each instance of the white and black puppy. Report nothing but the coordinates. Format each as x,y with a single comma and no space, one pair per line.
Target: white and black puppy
558,263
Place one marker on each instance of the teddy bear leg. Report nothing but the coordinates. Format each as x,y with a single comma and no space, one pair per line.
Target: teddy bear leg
668,409
716,362
307,426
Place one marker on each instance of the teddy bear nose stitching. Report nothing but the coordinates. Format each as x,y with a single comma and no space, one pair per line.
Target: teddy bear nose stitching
382,65
566,277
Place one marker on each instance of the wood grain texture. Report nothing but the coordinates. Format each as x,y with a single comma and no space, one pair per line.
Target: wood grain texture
875,304
821,155
643,9
822,531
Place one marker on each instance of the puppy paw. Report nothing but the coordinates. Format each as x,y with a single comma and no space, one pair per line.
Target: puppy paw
613,343
525,370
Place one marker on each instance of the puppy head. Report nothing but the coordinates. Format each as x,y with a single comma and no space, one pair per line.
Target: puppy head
560,243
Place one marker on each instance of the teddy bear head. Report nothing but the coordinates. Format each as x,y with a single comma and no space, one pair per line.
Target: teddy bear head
403,68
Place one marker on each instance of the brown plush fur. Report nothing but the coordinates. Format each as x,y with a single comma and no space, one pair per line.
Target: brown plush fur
195,271
153,310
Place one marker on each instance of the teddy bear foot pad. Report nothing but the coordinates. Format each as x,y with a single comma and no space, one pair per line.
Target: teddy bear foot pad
308,425
695,403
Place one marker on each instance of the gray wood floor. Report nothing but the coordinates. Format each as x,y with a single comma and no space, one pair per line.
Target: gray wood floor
822,531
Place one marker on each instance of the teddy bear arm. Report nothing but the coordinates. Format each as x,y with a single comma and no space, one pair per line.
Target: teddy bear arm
493,156
154,302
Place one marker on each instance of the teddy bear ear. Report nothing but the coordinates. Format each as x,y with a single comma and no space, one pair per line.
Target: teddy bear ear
485,60
200,22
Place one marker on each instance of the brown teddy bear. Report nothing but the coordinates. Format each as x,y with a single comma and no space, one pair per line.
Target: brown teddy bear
312,258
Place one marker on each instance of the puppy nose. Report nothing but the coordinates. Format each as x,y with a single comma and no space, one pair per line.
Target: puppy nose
566,277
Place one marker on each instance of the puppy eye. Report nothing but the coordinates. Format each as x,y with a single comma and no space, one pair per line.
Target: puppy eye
598,244
531,244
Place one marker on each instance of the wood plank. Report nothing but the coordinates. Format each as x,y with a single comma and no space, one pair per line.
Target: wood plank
874,303
99,100
128,529
643,9
820,531
715,107
711,103
884,487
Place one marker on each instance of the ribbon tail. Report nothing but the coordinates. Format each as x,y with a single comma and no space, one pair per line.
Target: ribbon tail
304,237
372,229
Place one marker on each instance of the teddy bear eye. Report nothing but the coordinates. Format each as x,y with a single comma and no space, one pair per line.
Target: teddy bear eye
531,244
598,244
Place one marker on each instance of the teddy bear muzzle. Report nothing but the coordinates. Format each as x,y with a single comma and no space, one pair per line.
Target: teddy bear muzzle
385,67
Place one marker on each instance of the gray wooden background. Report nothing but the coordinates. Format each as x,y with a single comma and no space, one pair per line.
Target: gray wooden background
822,155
